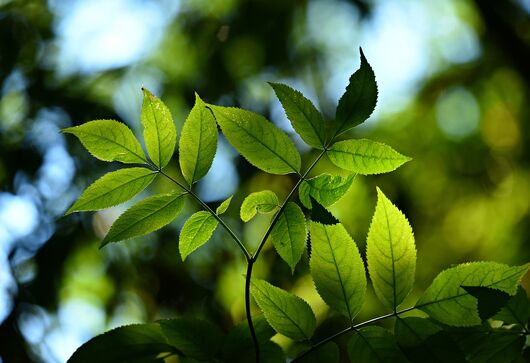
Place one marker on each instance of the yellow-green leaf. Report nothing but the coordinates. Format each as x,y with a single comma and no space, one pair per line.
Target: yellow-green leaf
223,206
265,201
109,140
197,230
325,189
289,234
159,129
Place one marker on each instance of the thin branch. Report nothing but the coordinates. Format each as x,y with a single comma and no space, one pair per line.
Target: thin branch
207,208
349,329
250,264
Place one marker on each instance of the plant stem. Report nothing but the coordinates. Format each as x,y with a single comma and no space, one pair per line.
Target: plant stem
349,329
207,208
250,264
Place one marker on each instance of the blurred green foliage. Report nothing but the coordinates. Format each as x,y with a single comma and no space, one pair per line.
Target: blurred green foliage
464,121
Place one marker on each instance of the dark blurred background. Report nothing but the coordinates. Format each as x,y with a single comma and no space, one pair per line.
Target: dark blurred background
454,79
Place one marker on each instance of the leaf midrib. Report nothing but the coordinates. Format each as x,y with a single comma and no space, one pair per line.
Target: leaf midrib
113,142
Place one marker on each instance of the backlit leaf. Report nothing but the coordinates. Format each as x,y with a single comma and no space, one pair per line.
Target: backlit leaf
489,301
113,188
337,268
446,301
359,100
198,142
289,234
391,253
365,157
286,313
109,140
304,117
262,143
139,343
223,206
374,344
265,201
160,134
197,230
326,189
145,217
517,311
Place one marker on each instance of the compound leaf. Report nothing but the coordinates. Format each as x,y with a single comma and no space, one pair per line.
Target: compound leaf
304,117
446,301
286,313
265,201
391,253
223,206
198,142
262,143
109,140
359,100
145,217
160,134
325,189
113,188
365,156
337,268
289,234
374,344
197,230
139,343
195,338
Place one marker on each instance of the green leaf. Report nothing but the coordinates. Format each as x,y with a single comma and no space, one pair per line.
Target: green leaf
286,313
328,353
145,217
374,344
359,100
446,301
238,346
289,234
223,206
262,143
140,343
365,156
195,338
109,140
113,188
422,340
489,301
320,214
337,268
265,201
517,311
304,117
390,253
326,189
198,142
197,230
159,129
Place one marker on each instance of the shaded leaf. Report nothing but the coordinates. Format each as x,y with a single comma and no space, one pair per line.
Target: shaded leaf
145,217
198,142
328,353
304,117
197,230
337,268
446,301
289,234
160,134
265,201
391,253
113,188
195,338
223,206
365,157
359,100
326,189
262,143
109,140
286,313
320,214
489,301
517,311
140,343
422,340
374,344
